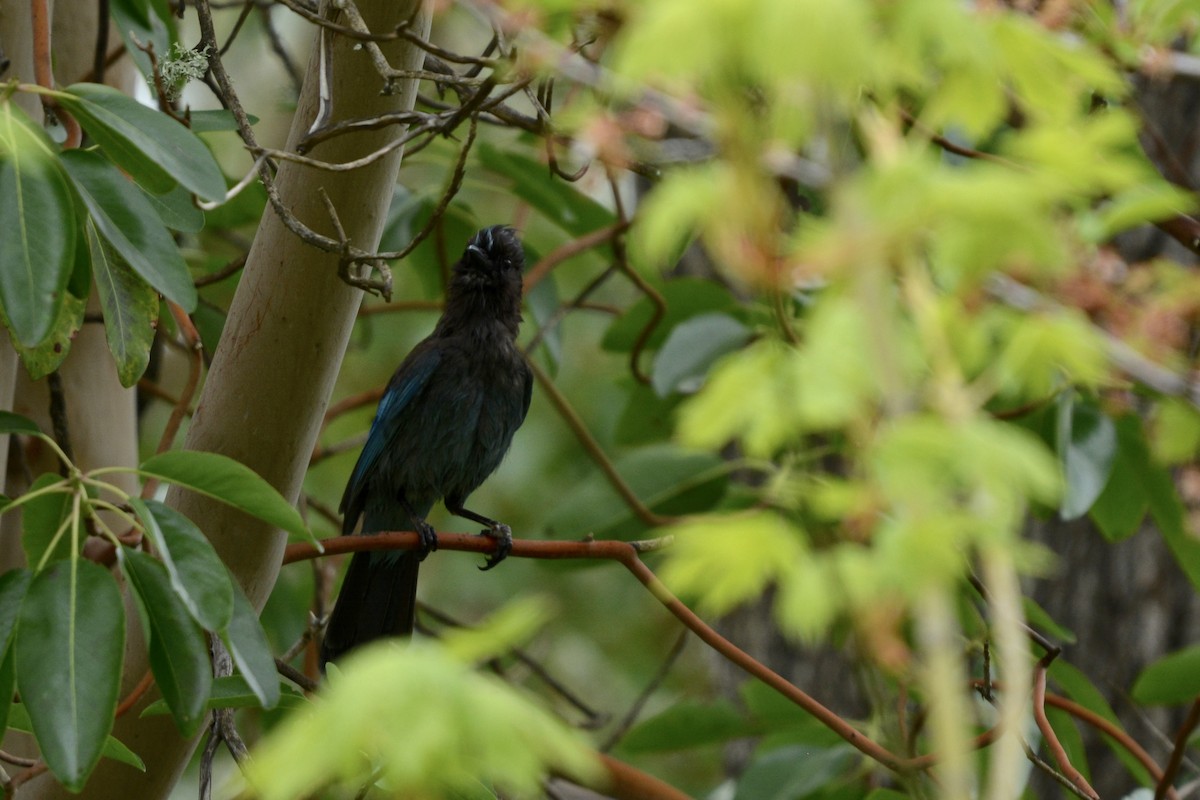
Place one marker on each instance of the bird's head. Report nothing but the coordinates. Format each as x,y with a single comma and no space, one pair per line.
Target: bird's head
493,258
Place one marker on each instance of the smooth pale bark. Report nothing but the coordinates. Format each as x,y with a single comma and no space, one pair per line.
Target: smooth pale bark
273,373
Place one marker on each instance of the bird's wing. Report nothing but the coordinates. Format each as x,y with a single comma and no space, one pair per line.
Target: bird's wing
528,389
410,378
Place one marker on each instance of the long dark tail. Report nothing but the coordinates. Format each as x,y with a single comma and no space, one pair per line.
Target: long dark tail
378,598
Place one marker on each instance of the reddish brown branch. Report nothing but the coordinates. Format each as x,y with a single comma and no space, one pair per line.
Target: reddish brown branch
568,250
130,700
1049,736
629,783
1181,743
628,555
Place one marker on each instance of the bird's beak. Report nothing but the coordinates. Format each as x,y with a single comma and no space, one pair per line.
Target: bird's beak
477,250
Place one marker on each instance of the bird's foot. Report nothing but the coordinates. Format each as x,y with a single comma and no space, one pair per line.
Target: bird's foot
501,534
427,540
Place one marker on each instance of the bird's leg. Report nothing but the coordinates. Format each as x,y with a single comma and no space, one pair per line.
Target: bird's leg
500,533
425,532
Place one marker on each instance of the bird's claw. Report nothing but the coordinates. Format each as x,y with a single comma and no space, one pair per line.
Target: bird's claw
501,534
427,540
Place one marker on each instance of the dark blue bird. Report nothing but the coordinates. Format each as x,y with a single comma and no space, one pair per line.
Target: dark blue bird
443,425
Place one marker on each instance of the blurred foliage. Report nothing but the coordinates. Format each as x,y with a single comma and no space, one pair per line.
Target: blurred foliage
801,357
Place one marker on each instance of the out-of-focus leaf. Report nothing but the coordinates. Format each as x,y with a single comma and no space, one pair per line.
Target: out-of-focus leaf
1119,510
37,216
692,347
646,418
197,573
684,298
555,199
126,220
686,725
1175,678
1175,431
179,654
216,120
1039,618
666,479
69,647
155,149
794,771
229,481
130,308
1087,443
413,752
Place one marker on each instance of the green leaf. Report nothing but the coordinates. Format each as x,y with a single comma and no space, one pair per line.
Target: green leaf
1038,617
232,691
37,216
42,517
130,307
13,586
179,654
155,149
1087,442
556,199
229,481
15,423
1080,689
69,647
686,725
45,357
665,478
684,298
18,720
216,120
197,574
691,348
1070,738
793,772
247,643
126,220
1173,679
176,209
1119,510
8,686
646,418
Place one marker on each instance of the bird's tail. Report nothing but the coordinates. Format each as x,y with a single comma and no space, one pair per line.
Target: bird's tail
378,598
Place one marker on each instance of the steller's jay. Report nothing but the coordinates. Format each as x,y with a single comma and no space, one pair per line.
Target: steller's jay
443,425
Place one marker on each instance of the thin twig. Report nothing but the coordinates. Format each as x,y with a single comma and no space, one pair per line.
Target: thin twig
635,710
1181,744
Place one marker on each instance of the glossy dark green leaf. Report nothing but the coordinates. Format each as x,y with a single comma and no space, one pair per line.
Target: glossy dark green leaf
557,200
46,356
18,720
69,647
1087,443
37,217
140,26
126,220
130,307
179,654
686,725
13,586
247,643
1173,679
8,686
793,771
197,574
232,691
691,348
155,149
15,423
684,298
41,520
176,210
224,479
